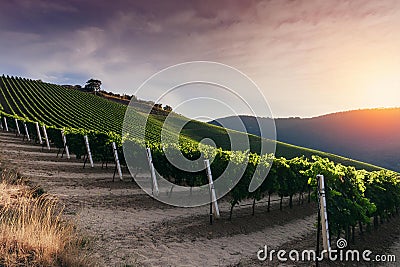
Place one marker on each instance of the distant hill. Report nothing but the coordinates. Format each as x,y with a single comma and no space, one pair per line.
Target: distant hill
370,135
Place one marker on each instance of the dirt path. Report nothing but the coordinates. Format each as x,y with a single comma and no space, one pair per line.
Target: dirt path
394,250
130,228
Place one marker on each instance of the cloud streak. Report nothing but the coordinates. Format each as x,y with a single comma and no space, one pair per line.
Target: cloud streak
313,50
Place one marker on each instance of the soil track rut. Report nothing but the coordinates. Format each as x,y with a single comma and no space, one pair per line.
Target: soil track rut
128,227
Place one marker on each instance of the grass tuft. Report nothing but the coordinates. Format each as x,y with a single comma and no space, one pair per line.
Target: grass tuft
33,231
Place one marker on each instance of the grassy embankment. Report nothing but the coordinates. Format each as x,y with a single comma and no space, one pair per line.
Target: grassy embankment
33,231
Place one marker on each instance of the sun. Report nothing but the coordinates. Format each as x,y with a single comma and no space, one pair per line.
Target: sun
381,87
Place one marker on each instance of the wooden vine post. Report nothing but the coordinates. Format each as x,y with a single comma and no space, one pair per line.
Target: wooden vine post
117,163
214,210
5,124
64,138
322,216
46,137
17,127
27,132
38,133
154,186
88,150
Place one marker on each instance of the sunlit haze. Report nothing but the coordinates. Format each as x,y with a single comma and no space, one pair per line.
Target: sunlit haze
308,57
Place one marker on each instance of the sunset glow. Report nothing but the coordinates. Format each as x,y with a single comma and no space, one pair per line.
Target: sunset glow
333,55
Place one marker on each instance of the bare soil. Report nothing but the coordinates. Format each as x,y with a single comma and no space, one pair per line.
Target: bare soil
127,227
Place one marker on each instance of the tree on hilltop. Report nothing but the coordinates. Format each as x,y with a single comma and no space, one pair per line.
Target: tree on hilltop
93,85
168,108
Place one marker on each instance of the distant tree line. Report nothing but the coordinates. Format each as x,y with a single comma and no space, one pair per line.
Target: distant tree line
93,86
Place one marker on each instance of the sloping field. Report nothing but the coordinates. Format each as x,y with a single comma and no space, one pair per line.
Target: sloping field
128,227
57,106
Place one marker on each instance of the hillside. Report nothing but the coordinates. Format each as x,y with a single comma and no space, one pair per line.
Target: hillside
371,135
61,107
55,105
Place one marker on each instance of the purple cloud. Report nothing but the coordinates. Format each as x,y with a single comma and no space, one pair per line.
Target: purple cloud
285,46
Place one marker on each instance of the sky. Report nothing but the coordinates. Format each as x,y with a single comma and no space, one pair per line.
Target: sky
307,57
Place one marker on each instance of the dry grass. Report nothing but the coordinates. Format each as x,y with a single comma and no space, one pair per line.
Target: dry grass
33,231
